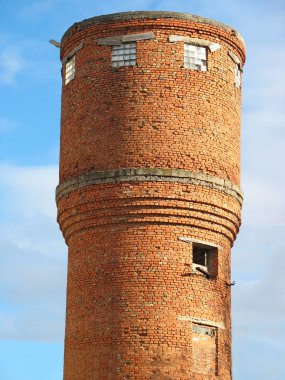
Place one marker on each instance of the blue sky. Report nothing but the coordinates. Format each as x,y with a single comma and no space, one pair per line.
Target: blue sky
33,255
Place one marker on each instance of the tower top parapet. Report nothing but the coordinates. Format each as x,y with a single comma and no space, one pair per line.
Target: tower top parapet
148,15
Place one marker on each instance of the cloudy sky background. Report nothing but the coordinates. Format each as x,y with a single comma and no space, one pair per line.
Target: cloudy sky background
32,252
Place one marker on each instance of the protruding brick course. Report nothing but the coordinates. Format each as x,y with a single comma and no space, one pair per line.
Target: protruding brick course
149,165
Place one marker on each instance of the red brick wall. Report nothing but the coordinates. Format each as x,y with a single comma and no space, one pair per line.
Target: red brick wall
204,349
132,290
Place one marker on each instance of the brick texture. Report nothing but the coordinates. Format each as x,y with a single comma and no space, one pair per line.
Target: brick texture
132,292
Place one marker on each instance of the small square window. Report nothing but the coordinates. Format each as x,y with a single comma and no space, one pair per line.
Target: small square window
124,55
195,57
70,70
205,259
237,76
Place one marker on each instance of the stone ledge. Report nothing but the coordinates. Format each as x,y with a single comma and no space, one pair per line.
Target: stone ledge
71,54
95,177
193,240
118,40
213,46
186,318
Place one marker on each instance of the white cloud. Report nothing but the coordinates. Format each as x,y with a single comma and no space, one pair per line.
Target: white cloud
33,255
11,63
28,61
33,291
31,188
259,306
264,199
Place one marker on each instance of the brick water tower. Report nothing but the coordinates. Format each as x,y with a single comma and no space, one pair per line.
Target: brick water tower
149,196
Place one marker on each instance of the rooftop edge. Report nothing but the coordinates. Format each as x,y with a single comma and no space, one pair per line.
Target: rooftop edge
149,15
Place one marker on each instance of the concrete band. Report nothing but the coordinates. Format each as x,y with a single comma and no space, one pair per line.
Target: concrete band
118,40
187,318
152,15
213,46
202,242
96,177
71,54
236,59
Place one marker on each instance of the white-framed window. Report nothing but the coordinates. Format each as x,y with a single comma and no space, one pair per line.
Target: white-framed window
195,57
237,76
124,54
70,69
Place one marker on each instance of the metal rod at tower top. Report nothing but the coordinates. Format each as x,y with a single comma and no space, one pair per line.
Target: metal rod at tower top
149,196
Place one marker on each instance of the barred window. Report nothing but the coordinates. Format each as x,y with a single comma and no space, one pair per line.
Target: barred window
124,54
195,57
70,70
237,76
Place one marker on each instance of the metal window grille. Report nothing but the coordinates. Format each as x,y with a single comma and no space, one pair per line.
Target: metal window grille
70,70
195,57
237,76
124,55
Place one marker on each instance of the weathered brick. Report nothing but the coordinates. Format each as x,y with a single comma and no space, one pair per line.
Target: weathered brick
150,155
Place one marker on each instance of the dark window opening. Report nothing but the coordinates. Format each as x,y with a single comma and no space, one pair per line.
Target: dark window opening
205,260
200,255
